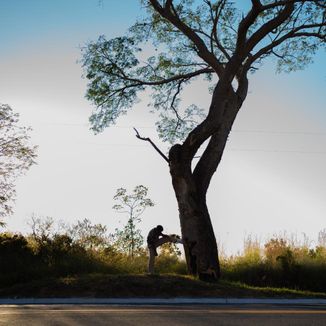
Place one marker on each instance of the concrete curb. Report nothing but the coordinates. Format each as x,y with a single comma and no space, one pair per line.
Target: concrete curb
158,301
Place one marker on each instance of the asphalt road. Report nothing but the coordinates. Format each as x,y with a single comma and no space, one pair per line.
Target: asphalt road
80,315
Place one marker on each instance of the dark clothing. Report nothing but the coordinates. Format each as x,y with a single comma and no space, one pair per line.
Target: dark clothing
153,236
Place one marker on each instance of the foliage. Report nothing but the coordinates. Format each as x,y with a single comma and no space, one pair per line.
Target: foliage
279,264
17,259
322,238
42,227
24,259
169,260
88,235
129,239
190,39
170,249
16,156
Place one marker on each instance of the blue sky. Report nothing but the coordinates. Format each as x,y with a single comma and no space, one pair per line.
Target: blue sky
26,23
271,179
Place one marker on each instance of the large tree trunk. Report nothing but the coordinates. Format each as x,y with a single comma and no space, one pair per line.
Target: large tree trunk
191,186
196,228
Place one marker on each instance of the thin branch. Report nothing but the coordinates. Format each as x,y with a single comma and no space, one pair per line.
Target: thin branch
151,142
286,2
268,27
291,34
215,18
173,101
139,82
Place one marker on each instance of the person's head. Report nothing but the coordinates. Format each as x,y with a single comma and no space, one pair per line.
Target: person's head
159,228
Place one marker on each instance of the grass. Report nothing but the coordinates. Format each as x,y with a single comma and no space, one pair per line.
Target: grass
164,286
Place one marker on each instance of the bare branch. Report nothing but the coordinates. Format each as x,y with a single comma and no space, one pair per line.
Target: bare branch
151,142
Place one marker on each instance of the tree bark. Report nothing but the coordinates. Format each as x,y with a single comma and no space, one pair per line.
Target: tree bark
196,228
191,187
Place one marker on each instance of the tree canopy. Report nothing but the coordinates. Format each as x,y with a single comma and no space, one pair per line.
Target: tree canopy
214,39
16,155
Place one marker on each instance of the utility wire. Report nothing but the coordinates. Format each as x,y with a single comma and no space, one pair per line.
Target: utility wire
317,133
226,149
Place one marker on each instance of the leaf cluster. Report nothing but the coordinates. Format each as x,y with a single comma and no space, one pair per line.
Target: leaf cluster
16,155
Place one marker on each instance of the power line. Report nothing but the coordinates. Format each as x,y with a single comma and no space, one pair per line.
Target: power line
275,151
281,132
226,149
314,133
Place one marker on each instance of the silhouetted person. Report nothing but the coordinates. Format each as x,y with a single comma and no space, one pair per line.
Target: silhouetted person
155,239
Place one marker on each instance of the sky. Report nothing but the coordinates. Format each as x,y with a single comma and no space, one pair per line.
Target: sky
271,180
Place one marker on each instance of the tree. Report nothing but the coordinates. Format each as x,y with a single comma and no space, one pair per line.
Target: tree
16,156
134,205
88,235
216,40
42,228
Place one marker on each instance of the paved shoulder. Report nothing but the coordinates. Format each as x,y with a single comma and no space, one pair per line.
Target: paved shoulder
177,315
160,301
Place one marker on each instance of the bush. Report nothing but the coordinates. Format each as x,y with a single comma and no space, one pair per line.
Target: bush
279,264
17,259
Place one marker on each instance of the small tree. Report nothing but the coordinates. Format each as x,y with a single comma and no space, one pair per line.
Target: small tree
88,235
129,238
16,156
42,228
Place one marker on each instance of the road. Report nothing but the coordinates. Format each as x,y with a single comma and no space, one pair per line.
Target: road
80,315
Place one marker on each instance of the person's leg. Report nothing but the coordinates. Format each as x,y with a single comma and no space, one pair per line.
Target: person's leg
151,260
161,241
153,253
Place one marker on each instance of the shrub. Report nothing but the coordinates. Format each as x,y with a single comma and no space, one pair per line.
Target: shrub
280,265
17,259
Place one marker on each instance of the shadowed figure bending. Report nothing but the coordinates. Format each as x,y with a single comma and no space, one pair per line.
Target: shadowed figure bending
155,239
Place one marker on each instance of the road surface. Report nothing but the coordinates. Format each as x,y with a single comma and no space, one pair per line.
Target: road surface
96,315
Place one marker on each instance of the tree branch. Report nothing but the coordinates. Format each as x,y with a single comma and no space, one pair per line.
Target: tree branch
244,46
268,27
218,112
151,142
215,16
293,33
170,14
212,155
245,24
286,2
139,82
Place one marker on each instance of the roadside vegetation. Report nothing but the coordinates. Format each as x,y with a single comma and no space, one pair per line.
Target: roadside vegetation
280,262
82,248
67,254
